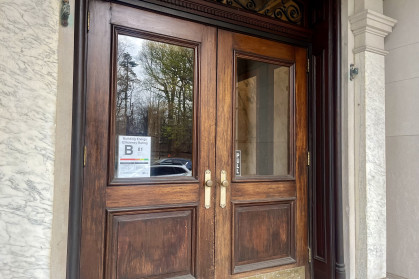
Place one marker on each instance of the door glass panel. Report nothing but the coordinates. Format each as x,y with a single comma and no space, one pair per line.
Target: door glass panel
262,119
153,108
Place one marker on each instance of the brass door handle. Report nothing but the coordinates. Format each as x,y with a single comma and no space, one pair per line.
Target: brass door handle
224,183
208,184
223,189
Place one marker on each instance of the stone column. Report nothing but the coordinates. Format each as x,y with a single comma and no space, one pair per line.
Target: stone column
370,27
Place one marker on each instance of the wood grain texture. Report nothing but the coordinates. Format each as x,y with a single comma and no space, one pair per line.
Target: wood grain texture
224,136
301,155
323,124
152,244
102,193
95,175
264,235
325,140
263,190
267,189
214,11
134,196
210,230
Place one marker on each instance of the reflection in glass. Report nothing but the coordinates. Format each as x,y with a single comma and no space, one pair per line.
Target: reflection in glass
154,102
262,118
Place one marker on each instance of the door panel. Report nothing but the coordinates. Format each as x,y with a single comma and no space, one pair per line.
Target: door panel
152,243
140,225
159,131
263,226
263,235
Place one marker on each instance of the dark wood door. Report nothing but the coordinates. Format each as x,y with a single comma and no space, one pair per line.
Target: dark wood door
261,226
150,137
195,150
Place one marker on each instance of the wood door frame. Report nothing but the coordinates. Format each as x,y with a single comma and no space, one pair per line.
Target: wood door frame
300,38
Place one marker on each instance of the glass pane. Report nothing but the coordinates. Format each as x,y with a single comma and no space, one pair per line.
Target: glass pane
153,109
262,118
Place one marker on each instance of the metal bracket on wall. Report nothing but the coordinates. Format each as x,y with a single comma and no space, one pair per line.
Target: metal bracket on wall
65,12
353,71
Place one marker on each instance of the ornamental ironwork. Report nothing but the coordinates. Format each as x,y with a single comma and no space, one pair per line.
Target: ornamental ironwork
286,10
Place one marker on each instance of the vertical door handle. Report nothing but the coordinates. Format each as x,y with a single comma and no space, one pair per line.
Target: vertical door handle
223,189
208,184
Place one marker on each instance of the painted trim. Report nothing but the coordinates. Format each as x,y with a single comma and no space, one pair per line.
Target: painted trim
370,28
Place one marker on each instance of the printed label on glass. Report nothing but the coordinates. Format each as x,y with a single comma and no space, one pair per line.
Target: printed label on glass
134,156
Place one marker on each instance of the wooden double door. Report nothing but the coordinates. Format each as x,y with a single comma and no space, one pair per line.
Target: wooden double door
196,150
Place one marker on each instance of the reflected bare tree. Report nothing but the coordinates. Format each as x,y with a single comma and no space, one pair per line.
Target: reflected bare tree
159,101
127,83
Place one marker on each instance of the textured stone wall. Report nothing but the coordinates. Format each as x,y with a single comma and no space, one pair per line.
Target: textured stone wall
28,87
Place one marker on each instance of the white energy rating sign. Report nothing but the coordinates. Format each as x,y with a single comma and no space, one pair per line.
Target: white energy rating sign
134,156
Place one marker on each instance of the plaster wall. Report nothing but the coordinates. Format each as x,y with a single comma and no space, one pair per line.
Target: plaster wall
402,139
28,78
36,74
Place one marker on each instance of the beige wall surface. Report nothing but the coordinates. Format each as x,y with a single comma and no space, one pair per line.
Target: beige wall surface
402,139
63,148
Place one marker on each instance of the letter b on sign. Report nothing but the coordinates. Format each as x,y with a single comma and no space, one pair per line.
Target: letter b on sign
128,150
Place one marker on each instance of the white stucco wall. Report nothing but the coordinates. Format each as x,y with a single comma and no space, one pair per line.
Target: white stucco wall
402,139
28,90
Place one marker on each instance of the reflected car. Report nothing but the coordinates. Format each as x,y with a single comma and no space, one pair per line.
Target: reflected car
169,170
176,162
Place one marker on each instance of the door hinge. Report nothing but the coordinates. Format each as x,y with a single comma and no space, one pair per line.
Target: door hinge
308,158
84,155
309,255
88,21
308,65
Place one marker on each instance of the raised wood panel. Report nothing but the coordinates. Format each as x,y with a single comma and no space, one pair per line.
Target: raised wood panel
152,244
133,196
263,235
